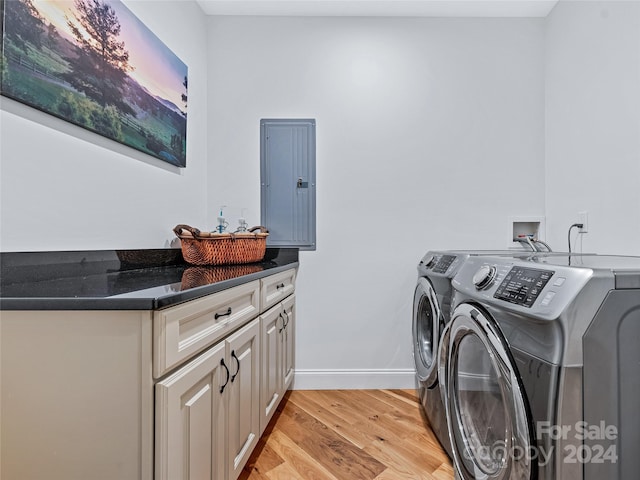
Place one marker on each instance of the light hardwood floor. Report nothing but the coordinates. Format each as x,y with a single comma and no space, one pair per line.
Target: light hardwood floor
348,435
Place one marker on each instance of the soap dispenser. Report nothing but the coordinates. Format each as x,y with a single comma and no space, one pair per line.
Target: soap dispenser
242,222
222,222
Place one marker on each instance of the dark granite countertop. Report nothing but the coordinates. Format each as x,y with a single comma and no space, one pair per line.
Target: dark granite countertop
121,280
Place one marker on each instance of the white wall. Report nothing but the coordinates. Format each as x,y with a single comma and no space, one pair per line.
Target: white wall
64,188
430,134
593,123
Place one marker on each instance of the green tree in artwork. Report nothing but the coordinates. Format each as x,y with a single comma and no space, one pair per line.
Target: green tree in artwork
89,114
101,64
27,25
184,96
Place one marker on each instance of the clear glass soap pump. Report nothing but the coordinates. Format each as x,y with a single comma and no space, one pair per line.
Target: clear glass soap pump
222,222
242,222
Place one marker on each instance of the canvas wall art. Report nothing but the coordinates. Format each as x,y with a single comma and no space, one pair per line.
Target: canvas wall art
95,64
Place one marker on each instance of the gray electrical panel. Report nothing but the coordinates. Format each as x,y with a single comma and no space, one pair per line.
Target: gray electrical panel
288,182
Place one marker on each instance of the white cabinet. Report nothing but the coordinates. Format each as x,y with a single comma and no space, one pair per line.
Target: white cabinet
277,368
276,288
190,420
243,351
288,341
271,368
169,394
186,329
207,421
76,394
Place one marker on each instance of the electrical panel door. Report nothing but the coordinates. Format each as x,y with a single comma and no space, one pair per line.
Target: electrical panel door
288,183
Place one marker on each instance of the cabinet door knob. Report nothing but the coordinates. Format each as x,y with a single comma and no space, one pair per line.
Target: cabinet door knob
227,380
233,355
283,325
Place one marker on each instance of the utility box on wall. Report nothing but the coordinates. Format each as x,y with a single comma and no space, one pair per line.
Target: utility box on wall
288,182
532,228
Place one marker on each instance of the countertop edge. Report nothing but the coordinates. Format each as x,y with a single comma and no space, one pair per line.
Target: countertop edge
124,303
193,293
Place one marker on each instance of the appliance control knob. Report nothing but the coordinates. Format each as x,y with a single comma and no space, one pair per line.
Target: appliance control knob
484,277
430,261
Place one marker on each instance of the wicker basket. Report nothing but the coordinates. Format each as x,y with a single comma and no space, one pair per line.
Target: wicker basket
205,248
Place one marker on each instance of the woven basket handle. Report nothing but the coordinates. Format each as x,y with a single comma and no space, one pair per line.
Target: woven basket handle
193,231
259,227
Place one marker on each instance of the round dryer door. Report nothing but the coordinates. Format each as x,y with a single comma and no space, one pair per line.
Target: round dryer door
487,412
426,326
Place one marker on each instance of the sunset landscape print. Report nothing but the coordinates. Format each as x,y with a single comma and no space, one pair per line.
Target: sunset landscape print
95,64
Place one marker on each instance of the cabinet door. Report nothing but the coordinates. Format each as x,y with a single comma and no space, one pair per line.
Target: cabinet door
288,342
243,352
271,325
190,420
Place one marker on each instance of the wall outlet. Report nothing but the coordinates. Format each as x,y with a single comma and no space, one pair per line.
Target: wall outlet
583,218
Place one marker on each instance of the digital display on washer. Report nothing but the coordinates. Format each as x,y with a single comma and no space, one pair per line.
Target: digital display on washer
444,263
523,285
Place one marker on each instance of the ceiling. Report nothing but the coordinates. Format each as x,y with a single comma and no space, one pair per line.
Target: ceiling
381,8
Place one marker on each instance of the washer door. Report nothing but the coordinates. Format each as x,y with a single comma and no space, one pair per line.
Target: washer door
426,326
487,412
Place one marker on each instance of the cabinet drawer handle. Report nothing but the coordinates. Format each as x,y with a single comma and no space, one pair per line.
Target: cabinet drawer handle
227,380
278,287
218,315
233,355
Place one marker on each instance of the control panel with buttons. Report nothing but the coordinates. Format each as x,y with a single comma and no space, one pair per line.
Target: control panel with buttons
522,286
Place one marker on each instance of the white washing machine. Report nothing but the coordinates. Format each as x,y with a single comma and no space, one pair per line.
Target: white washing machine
540,368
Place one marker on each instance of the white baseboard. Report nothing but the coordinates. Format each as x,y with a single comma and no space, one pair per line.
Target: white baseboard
353,379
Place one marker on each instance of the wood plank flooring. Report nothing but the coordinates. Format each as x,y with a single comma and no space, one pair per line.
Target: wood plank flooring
348,435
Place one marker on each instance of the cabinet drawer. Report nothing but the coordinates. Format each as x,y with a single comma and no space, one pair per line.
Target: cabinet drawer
276,287
182,331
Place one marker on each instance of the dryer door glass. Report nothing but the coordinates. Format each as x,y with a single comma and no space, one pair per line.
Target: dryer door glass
488,415
480,406
426,322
